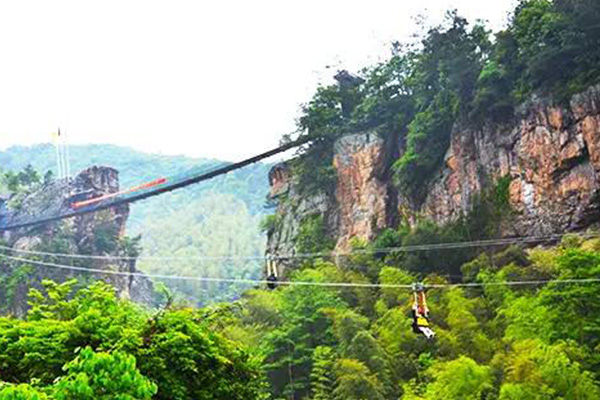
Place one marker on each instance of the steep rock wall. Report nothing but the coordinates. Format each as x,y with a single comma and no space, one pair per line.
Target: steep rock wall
552,155
363,203
86,234
362,191
292,209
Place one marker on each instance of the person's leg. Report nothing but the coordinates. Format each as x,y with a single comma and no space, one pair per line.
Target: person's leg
415,328
427,332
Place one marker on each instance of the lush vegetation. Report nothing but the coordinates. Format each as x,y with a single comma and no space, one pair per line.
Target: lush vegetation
312,236
20,184
217,218
456,73
215,236
493,342
489,213
91,345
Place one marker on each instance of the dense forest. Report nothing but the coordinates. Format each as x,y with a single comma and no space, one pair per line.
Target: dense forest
495,340
91,345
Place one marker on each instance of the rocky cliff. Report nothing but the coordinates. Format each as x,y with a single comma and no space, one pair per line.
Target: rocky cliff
96,234
292,209
365,200
363,203
550,153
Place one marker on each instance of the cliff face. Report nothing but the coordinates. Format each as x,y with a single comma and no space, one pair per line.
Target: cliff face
363,195
292,209
363,202
551,154
95,234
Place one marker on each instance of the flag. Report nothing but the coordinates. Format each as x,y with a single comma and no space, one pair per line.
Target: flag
56,136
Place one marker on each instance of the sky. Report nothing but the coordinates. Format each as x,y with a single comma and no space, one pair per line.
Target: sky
222,79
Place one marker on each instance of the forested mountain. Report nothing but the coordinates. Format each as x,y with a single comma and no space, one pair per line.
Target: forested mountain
219,217
249,185
463,137
468,162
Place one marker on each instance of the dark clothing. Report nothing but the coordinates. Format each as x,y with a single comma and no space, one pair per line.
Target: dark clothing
420,325
272,281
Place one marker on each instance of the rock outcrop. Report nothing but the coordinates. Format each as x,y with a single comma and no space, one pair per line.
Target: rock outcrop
97,234
281,238
362,204
362,193
551,154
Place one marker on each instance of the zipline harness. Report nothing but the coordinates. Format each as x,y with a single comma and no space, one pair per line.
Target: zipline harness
420,312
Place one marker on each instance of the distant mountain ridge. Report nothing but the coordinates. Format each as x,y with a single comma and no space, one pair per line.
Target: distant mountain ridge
216,217
135,167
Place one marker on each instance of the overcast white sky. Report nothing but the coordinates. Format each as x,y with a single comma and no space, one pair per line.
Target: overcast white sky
218,79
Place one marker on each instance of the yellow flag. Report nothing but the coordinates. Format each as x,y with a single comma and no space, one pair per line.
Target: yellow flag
56,136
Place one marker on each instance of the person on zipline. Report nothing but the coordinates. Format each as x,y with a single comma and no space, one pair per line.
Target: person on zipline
420,313
271,274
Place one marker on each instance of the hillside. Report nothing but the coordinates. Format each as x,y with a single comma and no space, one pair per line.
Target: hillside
218,217
462,137
437,238
249,184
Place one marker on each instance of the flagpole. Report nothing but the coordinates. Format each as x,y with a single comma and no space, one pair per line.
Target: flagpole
61,146
61,151
67,159
57,150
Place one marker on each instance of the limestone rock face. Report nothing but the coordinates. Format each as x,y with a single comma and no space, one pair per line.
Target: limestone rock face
86,234
361,193
551,153
552,156
281,240
279,180
362,204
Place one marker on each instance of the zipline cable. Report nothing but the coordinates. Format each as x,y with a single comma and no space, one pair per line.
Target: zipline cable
385,250
163,188
297,283
190,278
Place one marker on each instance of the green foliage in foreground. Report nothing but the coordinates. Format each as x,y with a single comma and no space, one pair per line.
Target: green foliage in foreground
313,342
493,342
91,345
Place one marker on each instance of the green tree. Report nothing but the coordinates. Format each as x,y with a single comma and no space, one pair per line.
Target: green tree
322,379
442,81
21,392
460,379
354,381
547,371
313,236
94,375
305,326
125,347
575,306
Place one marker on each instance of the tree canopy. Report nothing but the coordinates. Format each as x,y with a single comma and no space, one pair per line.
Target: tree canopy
456,74
92,345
